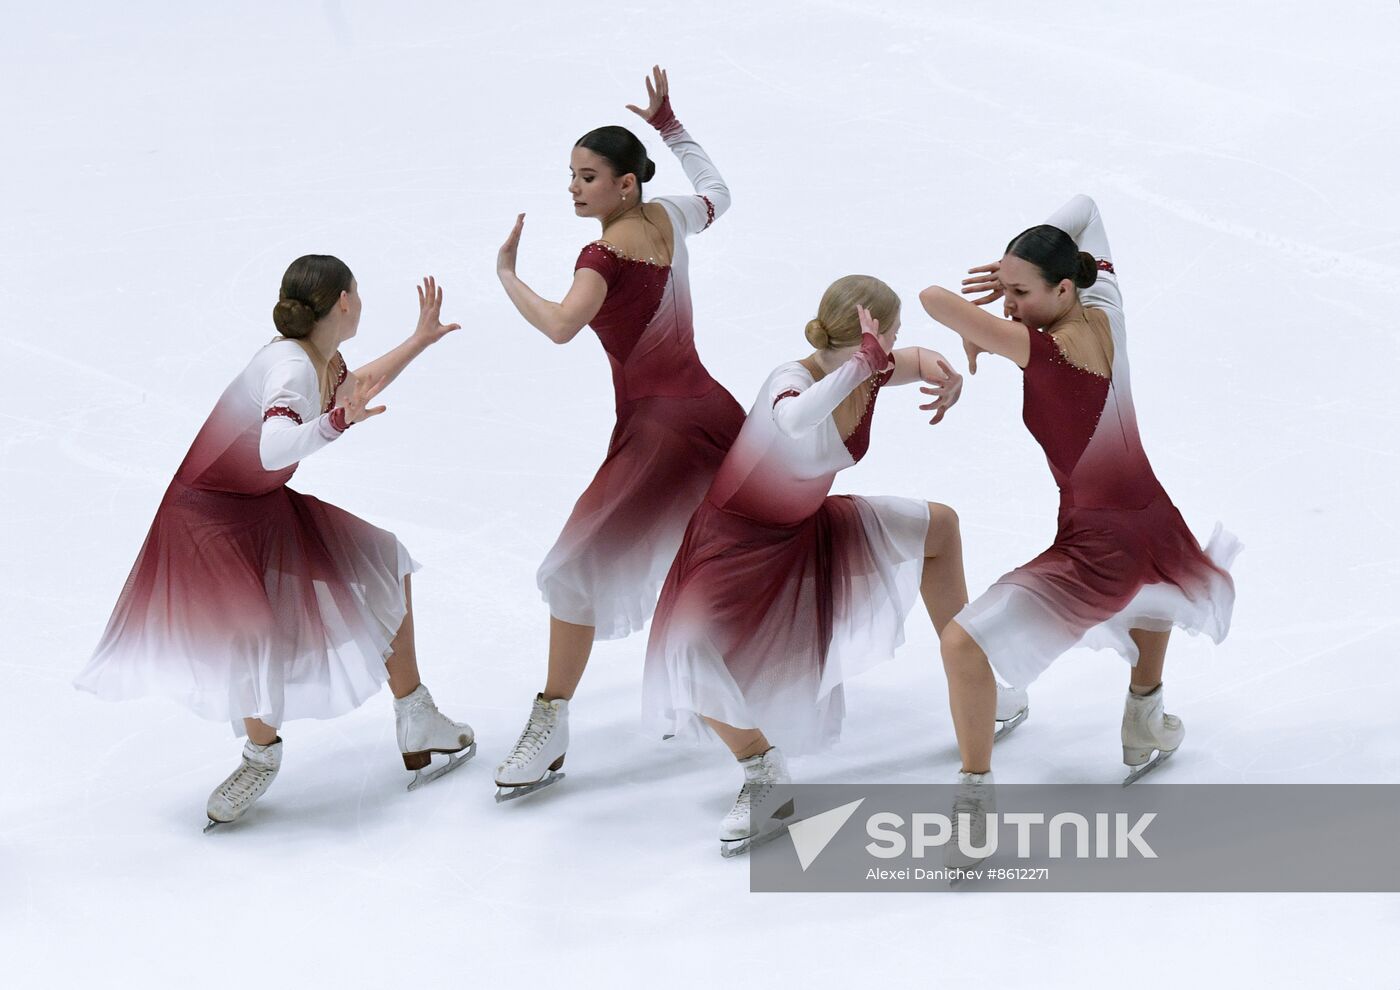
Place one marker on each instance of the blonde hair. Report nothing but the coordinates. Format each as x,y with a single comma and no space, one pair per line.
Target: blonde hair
837,324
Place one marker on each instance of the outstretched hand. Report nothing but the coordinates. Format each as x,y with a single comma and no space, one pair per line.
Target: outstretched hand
985,278
357,406
943,384
505,257
657,90
430,325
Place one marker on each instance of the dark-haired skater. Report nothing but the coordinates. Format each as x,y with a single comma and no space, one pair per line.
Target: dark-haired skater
255,604
674,422
1124,568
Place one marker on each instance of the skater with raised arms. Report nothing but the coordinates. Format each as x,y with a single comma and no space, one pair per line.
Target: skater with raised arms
781,591
674,421
1124,568
252,603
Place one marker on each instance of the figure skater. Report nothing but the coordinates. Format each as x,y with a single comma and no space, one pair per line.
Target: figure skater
782,591
1124,568
252,603
674,422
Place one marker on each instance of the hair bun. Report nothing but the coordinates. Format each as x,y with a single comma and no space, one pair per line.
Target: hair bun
293,318
1088,271
648,170
817,335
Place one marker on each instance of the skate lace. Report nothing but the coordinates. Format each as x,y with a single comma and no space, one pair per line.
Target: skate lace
752,794
976,819
531,741
243,783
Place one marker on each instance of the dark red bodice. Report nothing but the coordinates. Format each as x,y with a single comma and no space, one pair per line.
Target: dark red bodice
1062,405
644,326
1090,440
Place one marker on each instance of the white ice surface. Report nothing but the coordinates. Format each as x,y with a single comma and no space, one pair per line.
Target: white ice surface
162,166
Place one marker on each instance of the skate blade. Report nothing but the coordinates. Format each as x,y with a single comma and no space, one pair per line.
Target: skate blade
1148,767
454,760
213,825
737,847
1005,728
505,793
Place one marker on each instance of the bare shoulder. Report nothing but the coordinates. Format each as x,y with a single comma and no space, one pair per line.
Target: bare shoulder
656,213
1088,345
647,236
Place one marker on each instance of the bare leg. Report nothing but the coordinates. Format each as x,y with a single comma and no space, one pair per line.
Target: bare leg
972,692
403,662
743,743
1152,654
569,648
259,732
943,587
972,695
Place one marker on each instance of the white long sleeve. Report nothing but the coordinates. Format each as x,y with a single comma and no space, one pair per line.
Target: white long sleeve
1081,220
293,426
711,197
799,407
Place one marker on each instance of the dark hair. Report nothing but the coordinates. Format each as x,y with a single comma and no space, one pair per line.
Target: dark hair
1056,255
310,288
623,150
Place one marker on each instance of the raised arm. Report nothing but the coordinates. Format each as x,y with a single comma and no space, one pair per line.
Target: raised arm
430,330
980,330
711,197
798,411
1079,218
559,321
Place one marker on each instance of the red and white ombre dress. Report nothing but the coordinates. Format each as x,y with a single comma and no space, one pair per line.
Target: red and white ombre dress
674,422
1123,558
248,599
781,591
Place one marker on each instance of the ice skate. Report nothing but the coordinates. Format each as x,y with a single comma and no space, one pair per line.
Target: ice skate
423,731
1013,705
738,833
539,752
1147,729
974,800
232,799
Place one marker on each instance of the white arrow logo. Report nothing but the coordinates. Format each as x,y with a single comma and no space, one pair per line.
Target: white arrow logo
811,835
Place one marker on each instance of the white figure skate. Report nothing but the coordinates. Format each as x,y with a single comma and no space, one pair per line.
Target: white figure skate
1148,729
1013,706
423,731
232,799
974,800
738,833
539,752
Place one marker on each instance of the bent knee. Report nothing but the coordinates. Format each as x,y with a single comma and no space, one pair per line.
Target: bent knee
942,527
958,648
